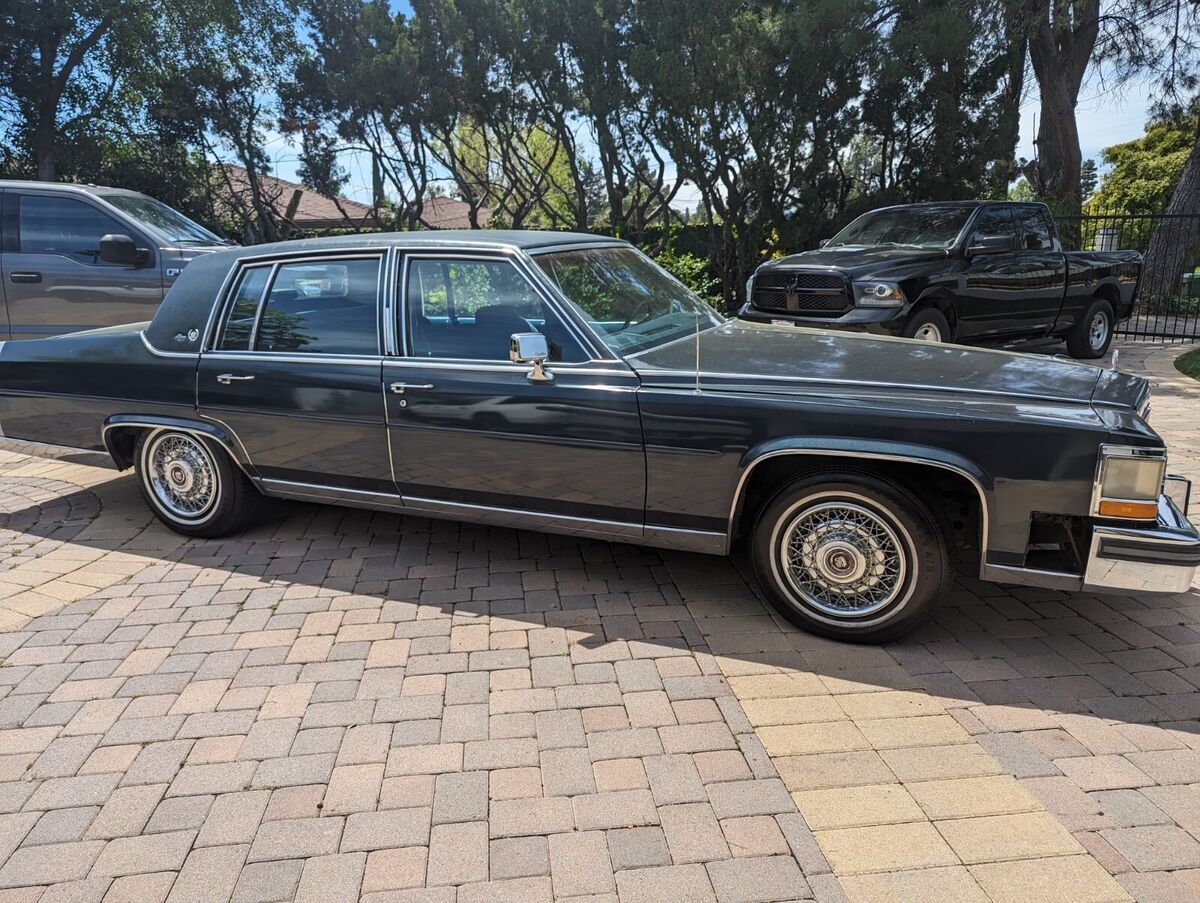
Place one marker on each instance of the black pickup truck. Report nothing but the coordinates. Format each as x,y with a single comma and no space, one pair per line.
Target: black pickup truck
976,272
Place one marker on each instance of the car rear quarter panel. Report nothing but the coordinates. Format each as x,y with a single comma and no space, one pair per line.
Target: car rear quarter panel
60,391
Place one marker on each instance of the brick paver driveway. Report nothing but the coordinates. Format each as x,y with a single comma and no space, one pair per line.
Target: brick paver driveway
342,703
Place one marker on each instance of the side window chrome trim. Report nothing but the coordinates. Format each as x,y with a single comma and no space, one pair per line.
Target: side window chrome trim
504,255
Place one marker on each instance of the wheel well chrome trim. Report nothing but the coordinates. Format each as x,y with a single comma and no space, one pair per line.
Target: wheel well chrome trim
985,514
157,426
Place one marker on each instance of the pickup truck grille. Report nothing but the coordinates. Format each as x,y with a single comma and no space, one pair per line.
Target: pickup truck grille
810,294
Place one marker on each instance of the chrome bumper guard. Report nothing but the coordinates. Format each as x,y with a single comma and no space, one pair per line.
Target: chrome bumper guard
1158,559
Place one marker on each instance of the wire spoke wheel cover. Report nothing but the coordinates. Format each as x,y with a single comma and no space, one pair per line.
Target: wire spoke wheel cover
844,559
181,474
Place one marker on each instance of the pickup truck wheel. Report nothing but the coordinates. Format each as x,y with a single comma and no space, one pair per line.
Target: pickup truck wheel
191,484
850,556
1092,333
928,325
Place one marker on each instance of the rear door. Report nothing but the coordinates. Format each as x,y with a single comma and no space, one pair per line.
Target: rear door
293,371
54,279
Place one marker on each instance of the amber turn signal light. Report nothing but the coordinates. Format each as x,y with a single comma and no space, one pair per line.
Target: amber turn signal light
1132,510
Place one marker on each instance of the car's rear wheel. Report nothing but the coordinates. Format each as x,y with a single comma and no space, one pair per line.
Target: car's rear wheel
850,556
192,485
928,325
1092,333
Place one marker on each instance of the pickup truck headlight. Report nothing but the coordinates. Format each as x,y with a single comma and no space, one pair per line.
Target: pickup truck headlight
878,294
1129,481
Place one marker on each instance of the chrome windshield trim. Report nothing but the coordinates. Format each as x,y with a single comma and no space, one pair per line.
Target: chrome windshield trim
985,514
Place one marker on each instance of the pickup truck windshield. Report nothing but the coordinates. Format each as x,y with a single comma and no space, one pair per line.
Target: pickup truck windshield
631,302
934,227
177,227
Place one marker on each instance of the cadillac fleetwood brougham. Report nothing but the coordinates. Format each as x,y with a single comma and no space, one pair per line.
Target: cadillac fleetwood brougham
565,383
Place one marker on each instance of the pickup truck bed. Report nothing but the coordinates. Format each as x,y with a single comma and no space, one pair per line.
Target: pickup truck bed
974,272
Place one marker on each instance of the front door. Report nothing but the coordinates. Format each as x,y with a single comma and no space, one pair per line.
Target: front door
293,371
473,436
992,290
54,279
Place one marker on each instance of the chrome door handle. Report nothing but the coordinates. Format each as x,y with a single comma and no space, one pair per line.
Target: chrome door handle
226,378
400,388
25,277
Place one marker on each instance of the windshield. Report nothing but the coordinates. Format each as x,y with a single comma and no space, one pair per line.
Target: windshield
905,227
631,302
167,220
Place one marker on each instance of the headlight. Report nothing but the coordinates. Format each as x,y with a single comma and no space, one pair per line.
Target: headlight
878,294
1128,482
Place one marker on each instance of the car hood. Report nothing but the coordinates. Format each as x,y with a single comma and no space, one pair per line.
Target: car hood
855,261
740,353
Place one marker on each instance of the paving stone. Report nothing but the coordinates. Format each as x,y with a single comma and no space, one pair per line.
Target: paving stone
756,797
946,883
367,831
394,869
233,818
268,882
1103,772
652,885
692,832
460,797
334,877
579,864
50,864
458,853
1075,878
210,873
519,857
353,788
964,797
517,890
567,772
297,837
1129,808
753,880
853,807
1155,847
620,809
524,817
880,848
632,848
147,853
997,837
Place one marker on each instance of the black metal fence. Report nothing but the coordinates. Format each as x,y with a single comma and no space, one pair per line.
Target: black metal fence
1168,308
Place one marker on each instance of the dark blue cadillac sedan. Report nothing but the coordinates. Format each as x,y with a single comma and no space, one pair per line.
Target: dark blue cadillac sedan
566,383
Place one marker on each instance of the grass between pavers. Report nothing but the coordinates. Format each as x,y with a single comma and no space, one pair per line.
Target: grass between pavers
1189,364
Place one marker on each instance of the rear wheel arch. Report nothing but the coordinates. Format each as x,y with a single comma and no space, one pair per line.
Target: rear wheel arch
121,432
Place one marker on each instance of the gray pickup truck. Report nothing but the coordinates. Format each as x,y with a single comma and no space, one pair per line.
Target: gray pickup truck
76,257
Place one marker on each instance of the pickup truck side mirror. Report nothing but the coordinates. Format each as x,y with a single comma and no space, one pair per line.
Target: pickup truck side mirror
120,249
823,242
992,244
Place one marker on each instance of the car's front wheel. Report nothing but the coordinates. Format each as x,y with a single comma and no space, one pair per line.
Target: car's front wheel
928,325
850,556
192,485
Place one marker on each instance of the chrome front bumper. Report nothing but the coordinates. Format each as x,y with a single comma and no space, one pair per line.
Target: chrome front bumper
1158,559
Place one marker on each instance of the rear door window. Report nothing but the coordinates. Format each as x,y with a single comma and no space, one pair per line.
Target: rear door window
1035,230
311,307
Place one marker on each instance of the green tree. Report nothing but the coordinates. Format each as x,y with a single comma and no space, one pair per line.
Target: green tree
1089,178
1143,172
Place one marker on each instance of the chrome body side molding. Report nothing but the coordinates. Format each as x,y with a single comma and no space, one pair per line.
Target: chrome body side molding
312,492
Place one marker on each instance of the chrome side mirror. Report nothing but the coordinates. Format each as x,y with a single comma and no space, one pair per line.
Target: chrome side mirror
531,348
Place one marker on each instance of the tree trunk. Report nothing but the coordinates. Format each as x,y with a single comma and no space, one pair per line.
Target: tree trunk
1176,238
1062,35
